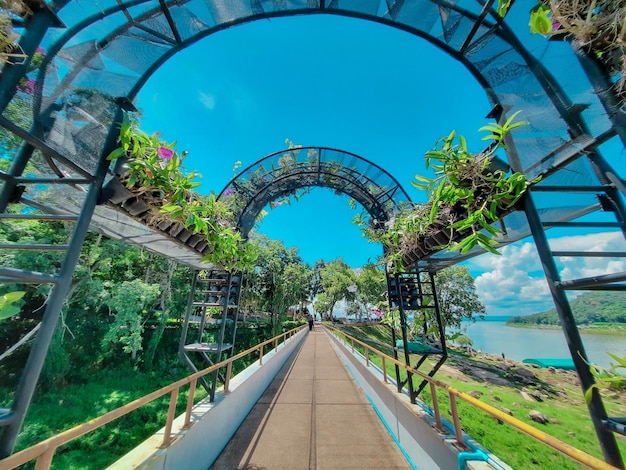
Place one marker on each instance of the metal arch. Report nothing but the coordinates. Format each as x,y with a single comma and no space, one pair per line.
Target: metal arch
461,48
255,187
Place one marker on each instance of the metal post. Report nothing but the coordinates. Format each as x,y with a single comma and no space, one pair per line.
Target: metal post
405,341
596,407
40,347
183,335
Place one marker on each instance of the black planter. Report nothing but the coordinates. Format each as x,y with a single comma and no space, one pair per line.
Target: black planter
437,239
184,235
115,192
120,166
164,225
195,239
176,229
135,206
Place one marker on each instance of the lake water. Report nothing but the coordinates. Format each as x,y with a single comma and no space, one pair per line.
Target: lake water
494,337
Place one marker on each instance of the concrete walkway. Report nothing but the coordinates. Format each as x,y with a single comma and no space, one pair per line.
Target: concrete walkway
312,416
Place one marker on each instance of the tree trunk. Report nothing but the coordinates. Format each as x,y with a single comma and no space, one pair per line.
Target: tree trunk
166,297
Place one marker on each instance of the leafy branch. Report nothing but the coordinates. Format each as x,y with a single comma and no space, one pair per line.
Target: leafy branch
154,171
465,197
607,378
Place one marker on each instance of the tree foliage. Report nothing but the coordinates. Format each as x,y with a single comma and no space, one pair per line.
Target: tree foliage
130,302
336,279
588,308
456,293
279,280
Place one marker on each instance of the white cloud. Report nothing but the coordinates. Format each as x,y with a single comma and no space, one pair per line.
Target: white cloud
208,100
514,283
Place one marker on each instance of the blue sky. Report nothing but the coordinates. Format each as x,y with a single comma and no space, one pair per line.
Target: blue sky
237,95
337,82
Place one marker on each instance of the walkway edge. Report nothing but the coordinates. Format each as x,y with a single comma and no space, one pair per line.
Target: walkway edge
406,422
213,425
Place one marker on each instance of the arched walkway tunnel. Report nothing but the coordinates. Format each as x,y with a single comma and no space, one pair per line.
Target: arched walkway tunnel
100,55
291,171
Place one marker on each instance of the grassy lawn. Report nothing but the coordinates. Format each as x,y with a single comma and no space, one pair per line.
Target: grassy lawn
57,411
561,401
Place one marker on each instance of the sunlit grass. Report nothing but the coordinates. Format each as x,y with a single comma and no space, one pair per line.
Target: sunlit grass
563,405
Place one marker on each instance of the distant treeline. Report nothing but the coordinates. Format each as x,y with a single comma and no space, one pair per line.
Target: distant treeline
588,308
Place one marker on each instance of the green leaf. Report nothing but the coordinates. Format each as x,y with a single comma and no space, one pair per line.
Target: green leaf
540,22
170,208
589,393
11,297
117,153
620,360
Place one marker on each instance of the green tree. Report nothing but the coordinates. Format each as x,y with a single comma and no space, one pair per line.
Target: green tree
337,279
456,293
322,304
372,287
130,301
295,283
464,341
265,282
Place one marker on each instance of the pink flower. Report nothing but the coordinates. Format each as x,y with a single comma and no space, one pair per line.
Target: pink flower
26,86
228,191
165,153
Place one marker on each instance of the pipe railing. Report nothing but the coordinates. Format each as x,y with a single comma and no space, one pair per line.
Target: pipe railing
43,452
454,394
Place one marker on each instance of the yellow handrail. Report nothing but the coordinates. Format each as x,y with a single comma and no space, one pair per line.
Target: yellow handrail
566,449
44,451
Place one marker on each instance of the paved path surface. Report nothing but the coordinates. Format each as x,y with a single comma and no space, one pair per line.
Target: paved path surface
312,416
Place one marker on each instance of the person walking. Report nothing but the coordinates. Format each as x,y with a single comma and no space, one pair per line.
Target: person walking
309,318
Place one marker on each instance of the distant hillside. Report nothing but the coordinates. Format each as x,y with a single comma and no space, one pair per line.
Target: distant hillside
588,308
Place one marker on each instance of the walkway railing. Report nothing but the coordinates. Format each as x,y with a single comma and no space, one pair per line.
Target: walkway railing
453,395
43,452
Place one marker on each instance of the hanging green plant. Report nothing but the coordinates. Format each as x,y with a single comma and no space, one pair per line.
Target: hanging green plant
465,197
611,378
597,27
153,171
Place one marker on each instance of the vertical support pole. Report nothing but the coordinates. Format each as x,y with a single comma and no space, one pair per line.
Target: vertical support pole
171,413
606,438
436,410
229,371
236,311
37,356
44,462
458,431
190,398
385,371
405,341
183,335
393,279
220,338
